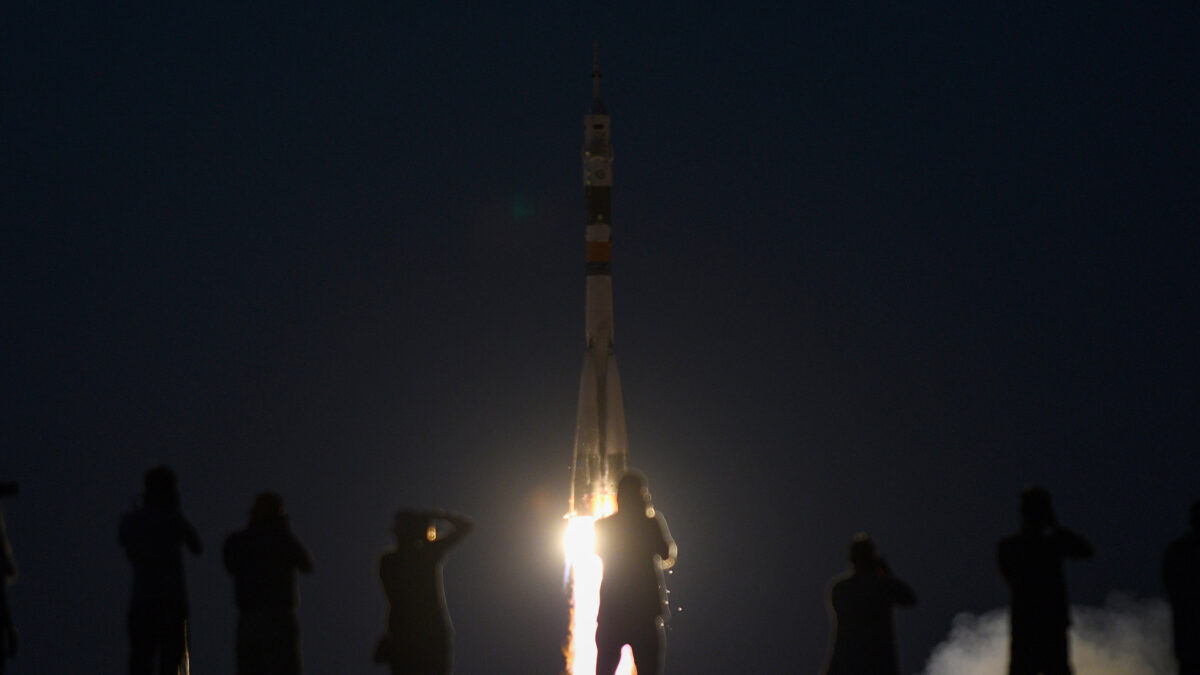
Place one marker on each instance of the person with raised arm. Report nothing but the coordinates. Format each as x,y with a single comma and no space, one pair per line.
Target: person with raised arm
1031,562
263,559
419,638
862,602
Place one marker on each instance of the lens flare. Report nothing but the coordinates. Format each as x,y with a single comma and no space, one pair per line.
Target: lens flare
586,570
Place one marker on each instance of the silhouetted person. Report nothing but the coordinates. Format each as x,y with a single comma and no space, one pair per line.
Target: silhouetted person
263,559
153,534
1031,562
635,546
419,639
862,601
8,574
1181,577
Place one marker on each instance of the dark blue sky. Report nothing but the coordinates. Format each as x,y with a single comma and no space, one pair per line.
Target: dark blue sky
876,268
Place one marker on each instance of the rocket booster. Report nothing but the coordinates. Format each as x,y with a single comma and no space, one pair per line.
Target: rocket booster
601,447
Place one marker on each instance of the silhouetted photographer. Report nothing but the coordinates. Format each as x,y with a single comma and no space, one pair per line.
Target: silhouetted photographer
153,535
8,574
863,601
263,559
1031,562
420,637
1181,577
635,546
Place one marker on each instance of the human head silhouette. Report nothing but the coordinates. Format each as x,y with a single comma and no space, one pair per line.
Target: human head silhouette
410,526
1037,512
266,505
162,487
862,553
632,493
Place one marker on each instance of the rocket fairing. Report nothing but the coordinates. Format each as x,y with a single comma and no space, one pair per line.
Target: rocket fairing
601,447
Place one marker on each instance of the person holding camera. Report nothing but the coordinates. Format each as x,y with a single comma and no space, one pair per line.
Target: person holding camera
263,559
1031,562
862,602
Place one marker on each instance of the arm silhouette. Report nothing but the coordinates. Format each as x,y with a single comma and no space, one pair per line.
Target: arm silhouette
1073,545
667,550
902,593
462,526
302,560
190,538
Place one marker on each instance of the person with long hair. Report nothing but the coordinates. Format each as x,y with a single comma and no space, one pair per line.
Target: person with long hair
153,535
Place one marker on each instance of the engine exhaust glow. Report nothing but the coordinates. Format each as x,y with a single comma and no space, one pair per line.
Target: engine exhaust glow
585,571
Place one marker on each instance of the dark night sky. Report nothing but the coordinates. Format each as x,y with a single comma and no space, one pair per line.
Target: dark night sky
876,267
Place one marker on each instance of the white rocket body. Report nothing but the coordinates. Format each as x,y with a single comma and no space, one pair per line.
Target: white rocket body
601,446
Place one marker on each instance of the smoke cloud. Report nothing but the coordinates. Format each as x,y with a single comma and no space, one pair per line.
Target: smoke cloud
1125,637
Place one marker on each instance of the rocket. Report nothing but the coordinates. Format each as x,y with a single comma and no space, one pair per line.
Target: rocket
601,447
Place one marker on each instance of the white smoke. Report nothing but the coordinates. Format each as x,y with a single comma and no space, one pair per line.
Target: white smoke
1125,637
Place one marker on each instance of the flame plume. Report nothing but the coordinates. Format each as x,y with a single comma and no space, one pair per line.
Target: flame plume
586,570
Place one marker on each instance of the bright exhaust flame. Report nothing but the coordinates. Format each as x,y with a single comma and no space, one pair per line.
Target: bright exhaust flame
586,570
